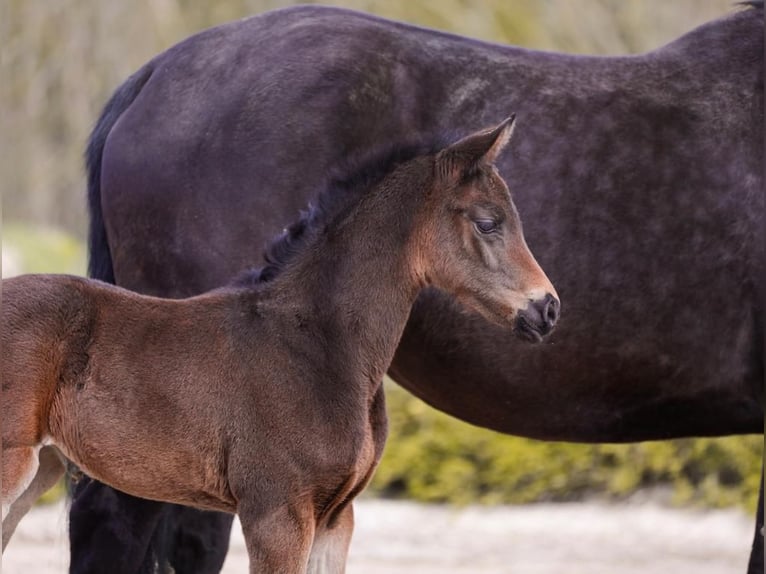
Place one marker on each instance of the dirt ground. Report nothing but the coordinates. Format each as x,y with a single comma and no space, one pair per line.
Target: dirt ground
409,538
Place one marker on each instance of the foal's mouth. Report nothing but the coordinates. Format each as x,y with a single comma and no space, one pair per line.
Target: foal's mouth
526,330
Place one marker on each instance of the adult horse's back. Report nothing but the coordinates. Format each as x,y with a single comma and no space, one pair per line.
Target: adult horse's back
642,181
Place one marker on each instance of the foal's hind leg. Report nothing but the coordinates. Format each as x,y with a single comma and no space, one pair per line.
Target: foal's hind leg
26,476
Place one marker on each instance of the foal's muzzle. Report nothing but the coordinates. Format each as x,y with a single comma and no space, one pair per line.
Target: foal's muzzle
538,319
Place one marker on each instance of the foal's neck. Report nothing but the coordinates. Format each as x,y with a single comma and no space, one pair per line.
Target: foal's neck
357,281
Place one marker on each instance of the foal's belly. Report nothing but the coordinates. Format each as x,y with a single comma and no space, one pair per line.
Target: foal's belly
155,477
186,467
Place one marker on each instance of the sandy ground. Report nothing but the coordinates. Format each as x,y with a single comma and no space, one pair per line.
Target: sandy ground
408,538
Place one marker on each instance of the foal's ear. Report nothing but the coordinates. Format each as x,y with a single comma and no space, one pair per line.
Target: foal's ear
479,148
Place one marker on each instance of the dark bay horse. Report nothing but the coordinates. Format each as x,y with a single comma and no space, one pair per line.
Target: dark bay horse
265,397
640,180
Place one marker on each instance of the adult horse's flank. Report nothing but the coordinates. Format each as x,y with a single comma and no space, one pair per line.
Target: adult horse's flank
640,181
264,398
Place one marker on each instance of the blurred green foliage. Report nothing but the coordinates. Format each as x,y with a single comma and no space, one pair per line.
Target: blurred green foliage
435,458
54,494
34,249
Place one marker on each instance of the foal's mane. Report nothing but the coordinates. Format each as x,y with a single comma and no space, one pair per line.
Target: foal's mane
344,187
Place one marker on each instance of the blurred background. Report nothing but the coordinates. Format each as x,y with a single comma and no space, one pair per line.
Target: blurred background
61,59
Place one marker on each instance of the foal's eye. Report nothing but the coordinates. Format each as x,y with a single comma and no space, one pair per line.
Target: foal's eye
485,225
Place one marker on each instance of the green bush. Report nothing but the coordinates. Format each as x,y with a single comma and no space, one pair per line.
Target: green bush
436,458
32,249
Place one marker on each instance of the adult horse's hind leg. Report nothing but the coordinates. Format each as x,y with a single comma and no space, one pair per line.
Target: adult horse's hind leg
110,531
26,476
756,555
329,552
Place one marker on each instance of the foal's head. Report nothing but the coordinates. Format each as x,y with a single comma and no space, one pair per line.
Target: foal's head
472,244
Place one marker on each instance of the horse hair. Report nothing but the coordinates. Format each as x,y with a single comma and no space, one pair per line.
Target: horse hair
344,188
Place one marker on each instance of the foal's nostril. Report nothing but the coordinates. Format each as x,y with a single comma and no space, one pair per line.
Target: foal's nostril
550,312
548,309
539,318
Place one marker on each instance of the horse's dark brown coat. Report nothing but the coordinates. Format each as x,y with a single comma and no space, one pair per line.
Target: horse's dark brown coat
640,180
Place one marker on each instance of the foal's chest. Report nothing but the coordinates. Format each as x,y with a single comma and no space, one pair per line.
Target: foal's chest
355,477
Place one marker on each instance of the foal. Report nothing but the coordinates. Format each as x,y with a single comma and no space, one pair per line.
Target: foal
263,398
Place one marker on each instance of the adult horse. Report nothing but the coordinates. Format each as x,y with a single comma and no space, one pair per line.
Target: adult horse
642,197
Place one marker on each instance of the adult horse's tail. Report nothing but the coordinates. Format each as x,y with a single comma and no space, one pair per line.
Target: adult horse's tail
99,256
91,501
109,530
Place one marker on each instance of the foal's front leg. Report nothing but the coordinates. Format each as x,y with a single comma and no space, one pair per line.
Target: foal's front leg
329,552
278,540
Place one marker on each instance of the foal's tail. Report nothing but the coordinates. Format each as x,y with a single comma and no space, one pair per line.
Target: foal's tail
99,256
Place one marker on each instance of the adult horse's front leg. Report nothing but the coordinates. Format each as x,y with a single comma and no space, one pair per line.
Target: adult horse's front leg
329,552
756,555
